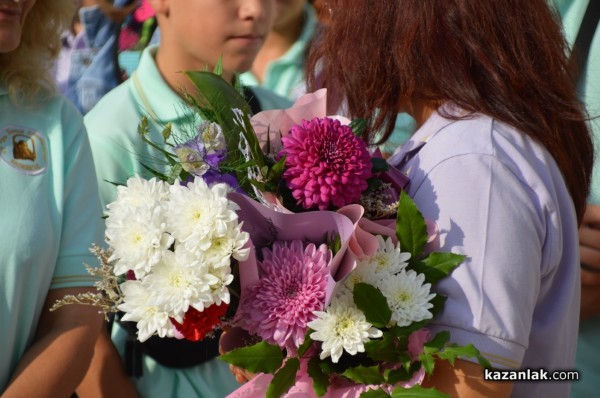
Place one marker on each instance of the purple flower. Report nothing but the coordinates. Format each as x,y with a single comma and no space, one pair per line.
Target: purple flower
292,285
326,164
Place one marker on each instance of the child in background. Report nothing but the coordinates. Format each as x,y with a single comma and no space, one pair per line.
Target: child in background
86,68
194,36
279,65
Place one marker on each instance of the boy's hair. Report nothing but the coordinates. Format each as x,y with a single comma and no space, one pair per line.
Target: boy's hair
25,72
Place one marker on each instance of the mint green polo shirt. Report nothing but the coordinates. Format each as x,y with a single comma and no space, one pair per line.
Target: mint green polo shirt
285,76
572,12
588,345
118,153
50,216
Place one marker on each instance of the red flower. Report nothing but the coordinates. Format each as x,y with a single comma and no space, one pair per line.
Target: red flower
197,324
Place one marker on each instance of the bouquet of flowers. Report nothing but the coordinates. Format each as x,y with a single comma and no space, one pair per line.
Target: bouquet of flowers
337,291
290,209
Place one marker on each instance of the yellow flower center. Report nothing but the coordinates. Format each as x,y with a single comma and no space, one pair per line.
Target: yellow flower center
343,325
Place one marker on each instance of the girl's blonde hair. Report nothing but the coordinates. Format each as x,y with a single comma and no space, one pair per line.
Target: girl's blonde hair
25,72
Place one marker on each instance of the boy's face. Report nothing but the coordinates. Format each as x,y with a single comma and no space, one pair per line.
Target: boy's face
201,31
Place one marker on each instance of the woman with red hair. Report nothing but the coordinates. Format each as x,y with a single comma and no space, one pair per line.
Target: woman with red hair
501,161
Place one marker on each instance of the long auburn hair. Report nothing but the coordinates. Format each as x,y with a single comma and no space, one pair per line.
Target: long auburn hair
507,59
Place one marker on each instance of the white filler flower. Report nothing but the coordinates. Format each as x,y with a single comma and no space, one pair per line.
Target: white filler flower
138,238
343,327
198,214
408,297
137,307
388,259
178,281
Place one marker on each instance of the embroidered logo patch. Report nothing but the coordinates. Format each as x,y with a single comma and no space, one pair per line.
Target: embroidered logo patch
24,149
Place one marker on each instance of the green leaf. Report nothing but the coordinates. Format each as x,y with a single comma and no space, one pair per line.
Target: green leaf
428,361
283,379
306,344
439,340
143,127
365,375
382,349
437,266
222,98
166,132
373,304
405,331
418,392
358,126
453,351
155,173
320,378
175,173
411,229
438,304
375,394
262,357
405,373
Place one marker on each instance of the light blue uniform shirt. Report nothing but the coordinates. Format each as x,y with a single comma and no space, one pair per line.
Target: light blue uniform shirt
118,152
49,212
499,198
286,76
588,348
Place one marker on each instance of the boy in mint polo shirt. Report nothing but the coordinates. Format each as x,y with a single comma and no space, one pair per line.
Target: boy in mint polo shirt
588,346
194,36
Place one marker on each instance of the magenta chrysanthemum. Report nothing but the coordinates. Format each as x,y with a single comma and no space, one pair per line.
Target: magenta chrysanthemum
292,285
326,164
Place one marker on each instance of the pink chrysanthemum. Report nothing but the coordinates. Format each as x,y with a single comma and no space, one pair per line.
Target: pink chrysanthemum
292,285
326,164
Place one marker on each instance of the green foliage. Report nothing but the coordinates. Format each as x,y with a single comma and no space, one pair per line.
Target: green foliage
417,392
218,101
411,229
319,377
378,393
373,304
383,349
261,357
365,375
437,266
283,379
358,126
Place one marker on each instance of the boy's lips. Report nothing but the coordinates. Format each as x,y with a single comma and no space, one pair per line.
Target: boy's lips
248,39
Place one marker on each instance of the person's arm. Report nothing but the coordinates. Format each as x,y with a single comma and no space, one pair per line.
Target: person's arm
465,379
106,376
589,249
60,355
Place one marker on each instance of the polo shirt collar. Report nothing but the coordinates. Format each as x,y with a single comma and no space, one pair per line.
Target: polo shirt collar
153,94
428,130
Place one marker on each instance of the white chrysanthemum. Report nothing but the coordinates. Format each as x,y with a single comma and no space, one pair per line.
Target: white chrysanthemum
408,297
212,136
139,193
232,244
149,318
343,327
138,238
364,272
219,287
198,213
178,281
388,259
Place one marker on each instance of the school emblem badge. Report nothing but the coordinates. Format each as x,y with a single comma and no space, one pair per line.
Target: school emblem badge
24,149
